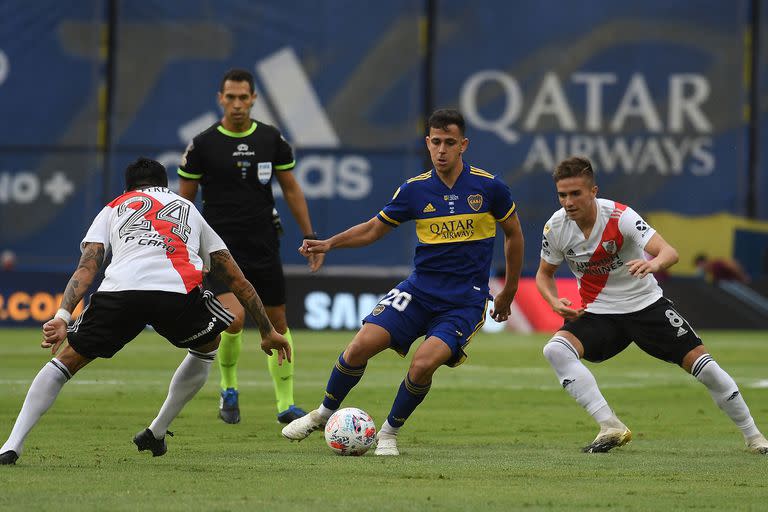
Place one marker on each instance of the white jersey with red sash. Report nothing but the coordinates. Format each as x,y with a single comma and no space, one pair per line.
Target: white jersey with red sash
158,241
599,262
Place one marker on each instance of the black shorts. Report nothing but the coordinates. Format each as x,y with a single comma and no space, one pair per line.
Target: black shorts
112,319
658,330
269,283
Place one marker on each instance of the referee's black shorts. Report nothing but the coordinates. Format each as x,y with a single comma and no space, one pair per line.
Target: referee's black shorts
268,281
659,330
112,319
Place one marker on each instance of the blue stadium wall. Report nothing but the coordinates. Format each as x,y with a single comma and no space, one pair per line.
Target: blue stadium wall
655,91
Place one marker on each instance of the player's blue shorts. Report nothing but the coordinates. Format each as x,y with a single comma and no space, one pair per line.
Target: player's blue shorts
407,317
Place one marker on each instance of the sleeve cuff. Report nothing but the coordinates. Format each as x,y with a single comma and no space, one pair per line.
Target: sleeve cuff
188,175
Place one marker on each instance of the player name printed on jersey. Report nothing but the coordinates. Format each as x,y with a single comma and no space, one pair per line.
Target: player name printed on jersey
599,262
158,241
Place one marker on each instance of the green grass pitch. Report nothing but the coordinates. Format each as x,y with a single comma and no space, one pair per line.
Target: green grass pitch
497,433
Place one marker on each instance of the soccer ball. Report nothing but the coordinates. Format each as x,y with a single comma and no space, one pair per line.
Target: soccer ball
350,431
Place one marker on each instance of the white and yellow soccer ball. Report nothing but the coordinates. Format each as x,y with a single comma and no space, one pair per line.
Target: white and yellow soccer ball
350,431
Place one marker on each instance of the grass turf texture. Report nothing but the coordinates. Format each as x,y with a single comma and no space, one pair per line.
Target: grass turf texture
497,433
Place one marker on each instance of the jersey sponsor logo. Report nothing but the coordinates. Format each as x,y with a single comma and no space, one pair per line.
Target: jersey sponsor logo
450,197
243,152
545,246
681,332
570,253
610,246
456,228
429,208
264,172
603,266
475,202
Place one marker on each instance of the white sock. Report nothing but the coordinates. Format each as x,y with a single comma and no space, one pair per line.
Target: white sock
725,393
388,430
190,376
40,397
578,381
325,412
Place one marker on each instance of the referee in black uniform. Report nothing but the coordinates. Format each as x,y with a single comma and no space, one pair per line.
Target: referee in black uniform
234,161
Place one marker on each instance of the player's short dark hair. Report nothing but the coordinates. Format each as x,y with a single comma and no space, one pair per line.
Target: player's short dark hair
237,75
145,172
442,118
574,167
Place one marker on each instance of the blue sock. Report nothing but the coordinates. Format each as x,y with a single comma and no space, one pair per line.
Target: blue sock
343,379
409,396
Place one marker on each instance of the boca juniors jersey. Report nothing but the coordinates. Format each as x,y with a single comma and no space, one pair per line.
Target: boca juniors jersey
158,241
599,262
455,227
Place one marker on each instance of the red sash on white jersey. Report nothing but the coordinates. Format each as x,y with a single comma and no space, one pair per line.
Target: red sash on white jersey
180,257
593,284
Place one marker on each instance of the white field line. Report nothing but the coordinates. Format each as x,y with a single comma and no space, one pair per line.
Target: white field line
499,378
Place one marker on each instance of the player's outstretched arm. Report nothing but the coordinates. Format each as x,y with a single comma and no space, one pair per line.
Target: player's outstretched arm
297,203
224,268
513,255
356,236
664,256
547,286
55,330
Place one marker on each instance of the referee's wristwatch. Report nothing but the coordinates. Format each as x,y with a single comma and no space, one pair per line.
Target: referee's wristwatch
312,236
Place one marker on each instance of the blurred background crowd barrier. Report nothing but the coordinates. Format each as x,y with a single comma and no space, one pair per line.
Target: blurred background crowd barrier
669,99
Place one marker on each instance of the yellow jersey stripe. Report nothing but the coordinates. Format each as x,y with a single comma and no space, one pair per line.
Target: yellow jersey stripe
510,212
479,324
388,218
468,227
421,176
473,168
483,174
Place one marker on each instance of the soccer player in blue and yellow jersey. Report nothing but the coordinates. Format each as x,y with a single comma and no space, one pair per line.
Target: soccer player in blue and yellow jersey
456,208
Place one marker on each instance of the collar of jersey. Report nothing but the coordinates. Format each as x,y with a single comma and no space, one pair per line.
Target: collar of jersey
237,134
465,167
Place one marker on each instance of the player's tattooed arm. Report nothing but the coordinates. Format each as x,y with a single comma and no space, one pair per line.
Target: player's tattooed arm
224,268
90,263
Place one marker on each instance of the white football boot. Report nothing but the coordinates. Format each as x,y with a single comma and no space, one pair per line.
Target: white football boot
758,444
300,428
386,445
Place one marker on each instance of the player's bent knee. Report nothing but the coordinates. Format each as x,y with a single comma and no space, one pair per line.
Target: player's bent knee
559,349
420,372
357,353
236,326
74,361
211,346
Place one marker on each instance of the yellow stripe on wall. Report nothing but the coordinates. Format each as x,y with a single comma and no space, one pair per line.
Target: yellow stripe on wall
691,235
